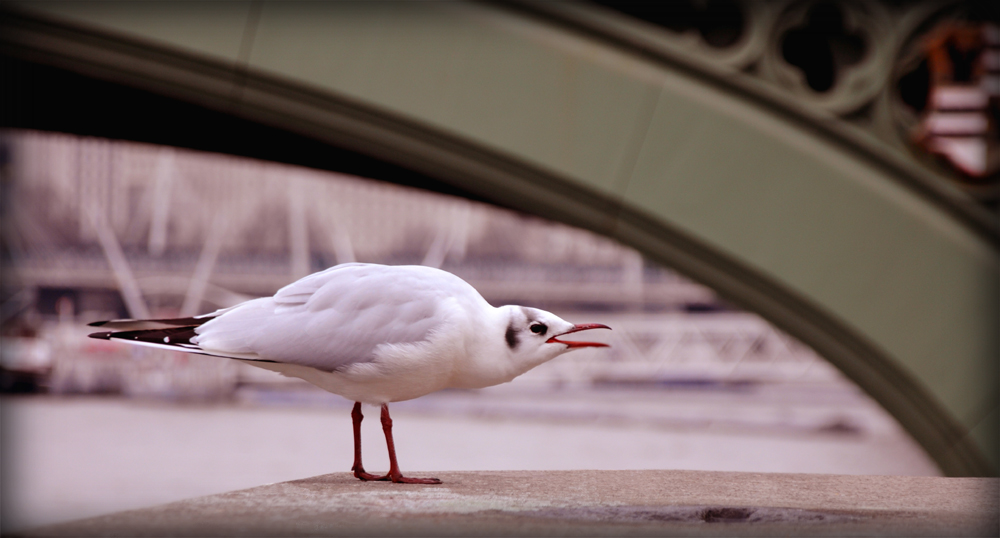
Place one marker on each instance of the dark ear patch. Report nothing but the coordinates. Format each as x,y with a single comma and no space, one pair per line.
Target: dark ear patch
511,336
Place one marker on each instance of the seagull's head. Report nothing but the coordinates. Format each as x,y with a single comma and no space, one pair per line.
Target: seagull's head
534,336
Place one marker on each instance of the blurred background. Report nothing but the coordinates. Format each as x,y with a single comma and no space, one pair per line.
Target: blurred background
153,218
103,229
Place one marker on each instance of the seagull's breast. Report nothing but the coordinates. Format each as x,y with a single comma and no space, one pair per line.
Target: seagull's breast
397,371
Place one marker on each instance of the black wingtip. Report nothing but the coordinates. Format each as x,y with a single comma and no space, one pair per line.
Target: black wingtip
97,324
102,336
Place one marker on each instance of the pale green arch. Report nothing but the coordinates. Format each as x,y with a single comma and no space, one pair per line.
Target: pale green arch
891,278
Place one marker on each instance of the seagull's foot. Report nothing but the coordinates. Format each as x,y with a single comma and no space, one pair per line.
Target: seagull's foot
360,474
400,479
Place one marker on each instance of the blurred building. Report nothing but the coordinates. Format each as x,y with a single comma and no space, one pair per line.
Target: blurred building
246,228
101,229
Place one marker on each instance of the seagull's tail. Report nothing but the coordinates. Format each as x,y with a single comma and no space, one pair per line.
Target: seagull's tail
174,334
140,324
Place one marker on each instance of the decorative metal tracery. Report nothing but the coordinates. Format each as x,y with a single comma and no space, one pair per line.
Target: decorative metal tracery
922,76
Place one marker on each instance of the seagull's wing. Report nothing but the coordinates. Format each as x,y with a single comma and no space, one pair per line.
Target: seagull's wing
337,317
301,290
149,324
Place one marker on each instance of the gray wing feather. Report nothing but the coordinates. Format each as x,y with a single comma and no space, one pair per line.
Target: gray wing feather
336,317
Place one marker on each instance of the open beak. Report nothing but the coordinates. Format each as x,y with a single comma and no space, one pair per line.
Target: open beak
577,328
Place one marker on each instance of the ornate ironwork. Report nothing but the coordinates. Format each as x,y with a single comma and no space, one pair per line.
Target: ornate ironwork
866,64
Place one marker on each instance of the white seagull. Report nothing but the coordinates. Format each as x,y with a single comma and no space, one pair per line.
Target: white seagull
373,334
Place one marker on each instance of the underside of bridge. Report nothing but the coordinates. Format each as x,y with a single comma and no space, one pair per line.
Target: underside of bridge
712,143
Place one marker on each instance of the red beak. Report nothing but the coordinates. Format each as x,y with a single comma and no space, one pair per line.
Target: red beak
577,328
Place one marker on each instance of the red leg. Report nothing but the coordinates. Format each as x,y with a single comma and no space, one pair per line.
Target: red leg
359,470
394,474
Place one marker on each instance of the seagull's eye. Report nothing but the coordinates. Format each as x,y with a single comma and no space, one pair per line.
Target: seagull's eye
539,328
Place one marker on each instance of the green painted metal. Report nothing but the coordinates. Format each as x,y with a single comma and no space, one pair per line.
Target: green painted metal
895,282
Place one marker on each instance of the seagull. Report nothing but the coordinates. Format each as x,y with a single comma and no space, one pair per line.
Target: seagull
373,334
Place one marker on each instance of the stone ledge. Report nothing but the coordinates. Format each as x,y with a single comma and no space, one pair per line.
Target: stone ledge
575,503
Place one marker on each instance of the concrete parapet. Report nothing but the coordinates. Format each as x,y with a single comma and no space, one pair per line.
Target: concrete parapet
575,503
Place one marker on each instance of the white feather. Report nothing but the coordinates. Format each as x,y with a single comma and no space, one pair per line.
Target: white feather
375,333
